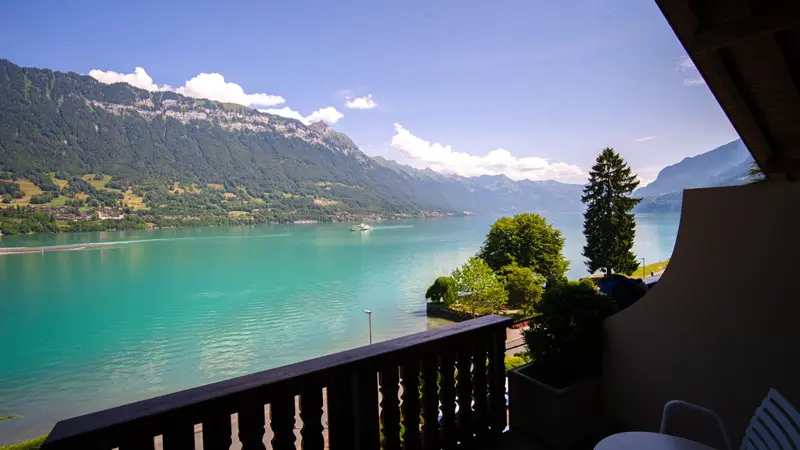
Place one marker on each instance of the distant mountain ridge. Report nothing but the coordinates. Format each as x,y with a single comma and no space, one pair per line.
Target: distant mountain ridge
726,165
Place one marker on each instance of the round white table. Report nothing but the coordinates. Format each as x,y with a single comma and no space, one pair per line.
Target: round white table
639,440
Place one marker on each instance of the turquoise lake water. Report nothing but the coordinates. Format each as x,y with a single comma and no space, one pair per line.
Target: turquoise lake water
158,311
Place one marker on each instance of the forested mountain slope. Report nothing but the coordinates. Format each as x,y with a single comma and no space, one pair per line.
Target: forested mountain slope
70,125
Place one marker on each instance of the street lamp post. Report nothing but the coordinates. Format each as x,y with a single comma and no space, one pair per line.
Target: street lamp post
643,264
369,317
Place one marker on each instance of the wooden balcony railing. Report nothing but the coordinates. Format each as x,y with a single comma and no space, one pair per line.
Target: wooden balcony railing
418,375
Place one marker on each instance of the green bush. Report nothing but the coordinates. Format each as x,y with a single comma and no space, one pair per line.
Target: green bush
518,360
443,290
566,337
32,444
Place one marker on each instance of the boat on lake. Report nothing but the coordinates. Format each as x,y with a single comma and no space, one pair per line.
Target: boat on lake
361,227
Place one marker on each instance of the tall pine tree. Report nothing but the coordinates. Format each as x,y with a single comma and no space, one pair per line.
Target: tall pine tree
608,224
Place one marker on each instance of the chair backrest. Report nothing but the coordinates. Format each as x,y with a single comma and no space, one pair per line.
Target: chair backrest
775,425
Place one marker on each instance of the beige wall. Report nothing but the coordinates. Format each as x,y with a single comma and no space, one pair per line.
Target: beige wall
723,325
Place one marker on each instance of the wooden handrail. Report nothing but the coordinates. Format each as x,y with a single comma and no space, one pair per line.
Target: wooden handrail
348,376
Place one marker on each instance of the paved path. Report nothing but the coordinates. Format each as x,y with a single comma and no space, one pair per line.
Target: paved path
514,341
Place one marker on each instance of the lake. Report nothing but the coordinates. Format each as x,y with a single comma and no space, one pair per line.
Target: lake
154,312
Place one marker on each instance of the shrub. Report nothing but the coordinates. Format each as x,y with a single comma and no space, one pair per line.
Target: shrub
566,337
518,360
443,290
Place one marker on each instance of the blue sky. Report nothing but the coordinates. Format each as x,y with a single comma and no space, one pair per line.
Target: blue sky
549,83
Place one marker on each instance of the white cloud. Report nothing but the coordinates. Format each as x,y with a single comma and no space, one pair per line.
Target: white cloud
205,85
442,158
214,87
329,115
645,139
361,103
139,78
692,76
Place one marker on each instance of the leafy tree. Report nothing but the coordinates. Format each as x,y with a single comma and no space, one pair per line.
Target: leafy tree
7,198
523,286
609,225
529,241
443,290
478,287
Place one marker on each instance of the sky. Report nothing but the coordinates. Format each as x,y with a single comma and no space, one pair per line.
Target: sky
531,89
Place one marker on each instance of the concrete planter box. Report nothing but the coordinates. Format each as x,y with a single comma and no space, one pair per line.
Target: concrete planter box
558,417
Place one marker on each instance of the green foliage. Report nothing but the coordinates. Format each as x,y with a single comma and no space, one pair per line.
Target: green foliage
32,444
529,241
609,225
99,176
44,197
512,362
11,189
523,286
443,290
478,287
16,220
566,337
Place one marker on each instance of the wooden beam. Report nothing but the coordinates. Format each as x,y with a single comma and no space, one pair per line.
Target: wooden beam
778,17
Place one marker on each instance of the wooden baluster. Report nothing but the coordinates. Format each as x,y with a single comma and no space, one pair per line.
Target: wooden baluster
464,390
341,414
179,437
390,409
251,427
281,419
311,415
366,401
217,432
481,420
430,404
353,411
411,408
447,396
142,442
497,382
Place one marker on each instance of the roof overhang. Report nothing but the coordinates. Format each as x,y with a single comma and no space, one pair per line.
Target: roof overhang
748,52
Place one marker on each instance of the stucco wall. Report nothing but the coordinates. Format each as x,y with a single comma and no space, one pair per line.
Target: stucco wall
722,326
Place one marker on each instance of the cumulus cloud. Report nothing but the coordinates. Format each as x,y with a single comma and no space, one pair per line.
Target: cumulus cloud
214,87
139,78
691,76
645,139
361,103
205,85
442,158
329,115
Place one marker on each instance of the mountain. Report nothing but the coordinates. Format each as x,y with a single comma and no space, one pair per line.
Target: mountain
726,165
170,150
494,193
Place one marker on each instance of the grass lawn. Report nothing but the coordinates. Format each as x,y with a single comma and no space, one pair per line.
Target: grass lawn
60,183
133,201
28,189
216,186
32,444
655,267
238,213
98,184
60,201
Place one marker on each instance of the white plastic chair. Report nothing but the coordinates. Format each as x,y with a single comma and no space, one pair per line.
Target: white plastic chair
775,424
